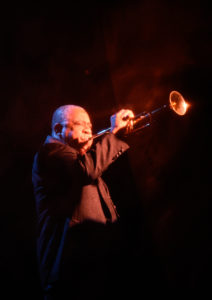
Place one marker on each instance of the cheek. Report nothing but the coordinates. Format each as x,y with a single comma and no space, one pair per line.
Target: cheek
74,134
67,135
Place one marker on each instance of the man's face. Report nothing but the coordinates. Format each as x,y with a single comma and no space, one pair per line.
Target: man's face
77,130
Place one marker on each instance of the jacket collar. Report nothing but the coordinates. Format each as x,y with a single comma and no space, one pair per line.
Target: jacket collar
50,139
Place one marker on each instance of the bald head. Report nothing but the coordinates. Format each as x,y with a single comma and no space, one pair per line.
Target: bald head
65,113
71,125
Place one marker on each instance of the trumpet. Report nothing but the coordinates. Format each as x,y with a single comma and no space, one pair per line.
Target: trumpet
176,103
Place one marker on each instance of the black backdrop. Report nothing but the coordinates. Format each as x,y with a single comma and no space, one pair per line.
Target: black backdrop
105,56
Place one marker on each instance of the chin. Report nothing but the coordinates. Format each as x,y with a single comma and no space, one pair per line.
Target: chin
88,145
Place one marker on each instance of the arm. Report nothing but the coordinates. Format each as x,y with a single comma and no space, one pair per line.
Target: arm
91,165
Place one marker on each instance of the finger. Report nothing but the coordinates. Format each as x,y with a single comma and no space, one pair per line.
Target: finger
128,114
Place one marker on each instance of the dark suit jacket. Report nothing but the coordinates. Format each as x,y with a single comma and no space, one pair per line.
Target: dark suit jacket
69,191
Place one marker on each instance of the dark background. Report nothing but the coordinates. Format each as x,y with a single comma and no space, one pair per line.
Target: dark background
105,56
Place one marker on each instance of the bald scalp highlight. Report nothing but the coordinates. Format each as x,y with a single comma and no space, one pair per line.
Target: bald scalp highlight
63,113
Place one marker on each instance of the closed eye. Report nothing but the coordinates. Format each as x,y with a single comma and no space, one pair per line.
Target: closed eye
83,124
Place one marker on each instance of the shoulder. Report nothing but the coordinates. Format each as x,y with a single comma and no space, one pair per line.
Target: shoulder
53,148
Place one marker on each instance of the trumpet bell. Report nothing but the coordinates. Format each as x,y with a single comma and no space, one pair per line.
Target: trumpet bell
177,103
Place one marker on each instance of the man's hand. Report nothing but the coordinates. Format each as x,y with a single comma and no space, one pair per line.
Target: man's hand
120,120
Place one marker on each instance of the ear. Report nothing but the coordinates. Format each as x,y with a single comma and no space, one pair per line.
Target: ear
58,128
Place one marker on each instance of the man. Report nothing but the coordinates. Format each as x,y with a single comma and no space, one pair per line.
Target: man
76,217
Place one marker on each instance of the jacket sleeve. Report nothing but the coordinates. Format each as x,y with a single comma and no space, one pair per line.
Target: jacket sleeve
105,152
93,163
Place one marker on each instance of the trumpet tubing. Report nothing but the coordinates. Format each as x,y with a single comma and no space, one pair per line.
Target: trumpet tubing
176,103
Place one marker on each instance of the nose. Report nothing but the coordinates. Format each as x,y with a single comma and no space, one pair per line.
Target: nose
87,129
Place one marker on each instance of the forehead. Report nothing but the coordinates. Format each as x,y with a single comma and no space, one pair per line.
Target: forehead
77,114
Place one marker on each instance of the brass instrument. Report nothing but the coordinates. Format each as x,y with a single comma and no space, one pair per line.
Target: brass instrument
176,103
